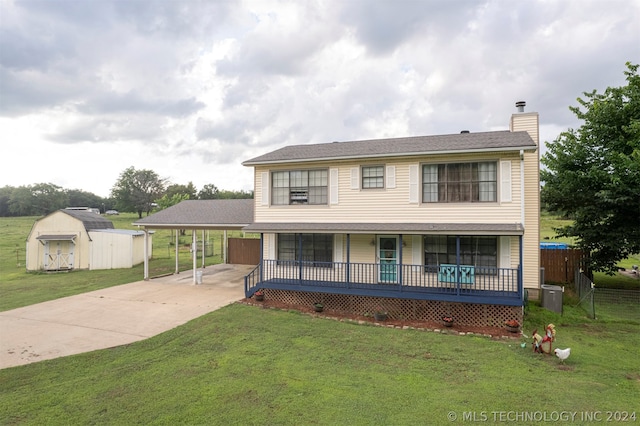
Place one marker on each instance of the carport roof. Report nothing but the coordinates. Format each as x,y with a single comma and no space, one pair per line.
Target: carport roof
202,214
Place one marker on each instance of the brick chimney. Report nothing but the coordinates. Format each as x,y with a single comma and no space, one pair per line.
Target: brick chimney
526,121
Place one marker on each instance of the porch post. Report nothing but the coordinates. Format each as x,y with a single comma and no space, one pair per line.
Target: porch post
520,275
348,259
399,265
300,258
261,265
458,265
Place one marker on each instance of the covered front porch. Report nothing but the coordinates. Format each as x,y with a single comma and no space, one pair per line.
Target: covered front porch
392,277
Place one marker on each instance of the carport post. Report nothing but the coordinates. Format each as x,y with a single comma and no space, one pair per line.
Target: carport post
146,254
177,251
203,249
194,255
224,248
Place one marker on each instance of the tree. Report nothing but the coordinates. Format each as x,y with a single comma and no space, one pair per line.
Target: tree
136,190
38,199
189,190
79,198
208,192
167,201
211,192
5,196
225,194
593,174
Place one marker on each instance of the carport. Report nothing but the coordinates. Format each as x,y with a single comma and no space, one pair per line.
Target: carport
198,215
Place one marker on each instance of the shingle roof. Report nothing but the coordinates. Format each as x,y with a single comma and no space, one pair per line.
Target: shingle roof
391,228
89,219
202,214
396,147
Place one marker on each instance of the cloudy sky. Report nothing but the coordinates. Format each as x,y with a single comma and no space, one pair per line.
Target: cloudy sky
190,89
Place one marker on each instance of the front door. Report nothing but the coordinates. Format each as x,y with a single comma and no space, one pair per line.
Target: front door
388,258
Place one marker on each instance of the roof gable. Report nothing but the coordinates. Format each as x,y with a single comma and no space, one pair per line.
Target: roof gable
397,147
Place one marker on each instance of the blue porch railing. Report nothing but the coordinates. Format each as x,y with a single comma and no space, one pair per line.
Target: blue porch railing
456,283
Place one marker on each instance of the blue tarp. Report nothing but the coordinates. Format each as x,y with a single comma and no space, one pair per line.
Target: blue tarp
557,246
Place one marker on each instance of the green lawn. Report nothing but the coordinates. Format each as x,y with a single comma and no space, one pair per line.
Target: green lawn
245,365
19,288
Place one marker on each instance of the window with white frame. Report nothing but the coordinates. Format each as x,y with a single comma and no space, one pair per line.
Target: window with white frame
481,252
372,177
316,248
459,182
299,187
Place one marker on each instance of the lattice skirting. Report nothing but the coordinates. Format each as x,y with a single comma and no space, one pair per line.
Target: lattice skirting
466,314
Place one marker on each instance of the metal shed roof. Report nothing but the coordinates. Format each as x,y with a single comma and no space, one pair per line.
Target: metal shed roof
89,219
53,237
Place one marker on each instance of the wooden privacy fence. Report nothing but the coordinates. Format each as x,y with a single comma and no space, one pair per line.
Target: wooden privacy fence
559,264
244,251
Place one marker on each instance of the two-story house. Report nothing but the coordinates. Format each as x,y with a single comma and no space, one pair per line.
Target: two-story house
425,226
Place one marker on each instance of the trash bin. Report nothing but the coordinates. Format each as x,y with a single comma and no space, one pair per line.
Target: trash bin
552,297
198,277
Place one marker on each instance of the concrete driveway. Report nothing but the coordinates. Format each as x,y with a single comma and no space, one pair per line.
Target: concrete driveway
114,316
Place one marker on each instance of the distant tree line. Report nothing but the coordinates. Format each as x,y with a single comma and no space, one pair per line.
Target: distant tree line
139,191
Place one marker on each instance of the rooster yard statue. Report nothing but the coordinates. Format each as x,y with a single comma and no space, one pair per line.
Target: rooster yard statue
544,344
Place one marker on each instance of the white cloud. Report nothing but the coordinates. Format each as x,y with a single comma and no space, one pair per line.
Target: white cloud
192,89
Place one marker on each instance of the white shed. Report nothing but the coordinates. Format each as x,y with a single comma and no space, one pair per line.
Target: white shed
116,248
78,239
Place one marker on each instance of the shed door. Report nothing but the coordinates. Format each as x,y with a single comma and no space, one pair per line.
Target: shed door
58,255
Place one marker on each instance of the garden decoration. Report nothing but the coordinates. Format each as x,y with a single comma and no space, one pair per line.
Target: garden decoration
380,316
544,344
512,326
447,321
259,295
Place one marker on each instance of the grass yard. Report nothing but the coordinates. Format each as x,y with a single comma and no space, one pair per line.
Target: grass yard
245,365
19,288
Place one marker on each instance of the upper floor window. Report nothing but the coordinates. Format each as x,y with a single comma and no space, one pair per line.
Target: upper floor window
459,182
299,187
372,177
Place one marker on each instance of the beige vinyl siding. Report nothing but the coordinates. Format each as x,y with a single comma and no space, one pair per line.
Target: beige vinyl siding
391,205
362,251
531,238
262,191
529,122
526,122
